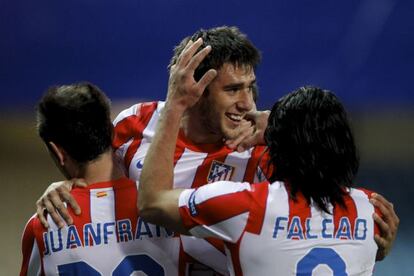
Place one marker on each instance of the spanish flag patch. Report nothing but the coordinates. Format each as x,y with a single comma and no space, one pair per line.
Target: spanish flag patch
101,194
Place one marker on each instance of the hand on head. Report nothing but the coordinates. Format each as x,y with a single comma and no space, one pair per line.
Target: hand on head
183,90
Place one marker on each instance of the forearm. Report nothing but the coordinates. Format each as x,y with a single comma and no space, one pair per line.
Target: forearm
157,202
158,174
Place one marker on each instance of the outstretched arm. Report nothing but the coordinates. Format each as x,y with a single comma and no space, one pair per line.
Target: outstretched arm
157,203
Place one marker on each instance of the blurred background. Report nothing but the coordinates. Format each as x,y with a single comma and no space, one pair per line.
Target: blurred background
362,50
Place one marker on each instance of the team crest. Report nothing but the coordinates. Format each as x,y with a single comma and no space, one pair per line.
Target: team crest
219,171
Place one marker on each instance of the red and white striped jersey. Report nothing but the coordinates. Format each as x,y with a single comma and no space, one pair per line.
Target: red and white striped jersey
194,166
267,232
108,238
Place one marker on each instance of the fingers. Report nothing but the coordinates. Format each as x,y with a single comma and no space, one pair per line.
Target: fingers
41,214
386,208
382,200
68,198
385,229
52,202
198,58
78,182
52,211
189,52
189,43
381,245
245,135
388,224
207,78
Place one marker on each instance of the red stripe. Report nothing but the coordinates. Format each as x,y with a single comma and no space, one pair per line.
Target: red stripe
252,164
350,212
217,244
224,210
28,241
83,198
178,153
369,193
260,192
183,260
264,163
38,232
298,207
234,249
132,127
126,202
259,159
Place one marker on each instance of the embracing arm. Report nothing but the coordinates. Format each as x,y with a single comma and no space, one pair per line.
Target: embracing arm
157,202
53,199
388,224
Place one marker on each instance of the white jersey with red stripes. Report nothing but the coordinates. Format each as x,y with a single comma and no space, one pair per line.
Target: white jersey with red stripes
266,232
108,238
194,166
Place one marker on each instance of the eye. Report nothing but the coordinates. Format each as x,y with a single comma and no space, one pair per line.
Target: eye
232,90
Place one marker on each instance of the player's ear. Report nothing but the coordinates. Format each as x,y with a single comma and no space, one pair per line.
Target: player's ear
57,152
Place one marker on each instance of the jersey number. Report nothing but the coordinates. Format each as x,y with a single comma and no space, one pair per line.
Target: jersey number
129,264
319,256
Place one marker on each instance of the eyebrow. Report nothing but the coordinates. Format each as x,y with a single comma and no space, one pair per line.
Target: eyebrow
238,85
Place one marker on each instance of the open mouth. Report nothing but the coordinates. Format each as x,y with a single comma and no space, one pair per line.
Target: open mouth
236,118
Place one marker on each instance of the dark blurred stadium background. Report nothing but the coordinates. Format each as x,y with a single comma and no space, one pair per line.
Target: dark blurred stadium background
362,50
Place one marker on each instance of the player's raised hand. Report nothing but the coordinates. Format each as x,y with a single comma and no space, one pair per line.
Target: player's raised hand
52,202
388,225
183,90
251,131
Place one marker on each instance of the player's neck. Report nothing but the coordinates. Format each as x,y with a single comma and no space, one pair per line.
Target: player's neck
195,131
102,169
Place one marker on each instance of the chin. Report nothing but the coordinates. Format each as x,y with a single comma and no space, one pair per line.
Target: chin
230,133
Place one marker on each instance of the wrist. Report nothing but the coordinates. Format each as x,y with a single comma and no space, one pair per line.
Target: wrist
173,110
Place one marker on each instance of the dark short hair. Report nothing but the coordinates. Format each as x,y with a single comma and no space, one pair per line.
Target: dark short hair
76,117
311,146
229,45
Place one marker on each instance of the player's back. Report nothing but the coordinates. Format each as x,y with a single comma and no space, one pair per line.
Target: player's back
298,239
108,238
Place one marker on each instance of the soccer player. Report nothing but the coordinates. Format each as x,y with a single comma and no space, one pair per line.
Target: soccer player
201,155
109,237
307,220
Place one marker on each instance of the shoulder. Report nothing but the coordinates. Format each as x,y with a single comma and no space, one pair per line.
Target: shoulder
32,227
360,194
139,110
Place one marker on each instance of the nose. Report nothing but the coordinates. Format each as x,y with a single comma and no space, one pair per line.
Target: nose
245,100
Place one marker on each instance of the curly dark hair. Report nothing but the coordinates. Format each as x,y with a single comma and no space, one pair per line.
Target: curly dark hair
76,117
311,146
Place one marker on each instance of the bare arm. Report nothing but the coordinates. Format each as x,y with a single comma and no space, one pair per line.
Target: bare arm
157,203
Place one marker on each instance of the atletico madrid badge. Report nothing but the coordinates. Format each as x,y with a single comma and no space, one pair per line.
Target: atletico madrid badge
220,171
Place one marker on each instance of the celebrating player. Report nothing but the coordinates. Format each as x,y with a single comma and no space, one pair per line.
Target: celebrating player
201,156
109,236
306,220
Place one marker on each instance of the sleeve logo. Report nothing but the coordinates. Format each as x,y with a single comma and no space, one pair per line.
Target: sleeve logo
192,204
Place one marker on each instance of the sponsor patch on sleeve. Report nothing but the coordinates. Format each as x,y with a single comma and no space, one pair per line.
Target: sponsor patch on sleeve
192,205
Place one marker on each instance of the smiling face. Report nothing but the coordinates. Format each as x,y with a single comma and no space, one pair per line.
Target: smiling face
228,99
